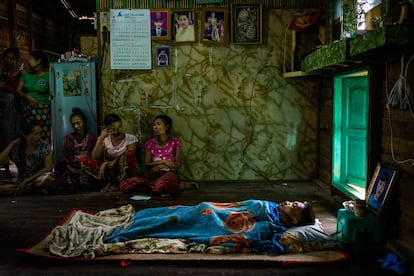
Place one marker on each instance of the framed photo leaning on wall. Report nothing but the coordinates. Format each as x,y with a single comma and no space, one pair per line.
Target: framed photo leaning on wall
214,29
160,24
246,23
184,25
379,188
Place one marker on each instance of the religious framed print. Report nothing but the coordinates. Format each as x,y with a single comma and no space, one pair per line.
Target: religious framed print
247,23
379,188
184,25
214,29
162,56
160,24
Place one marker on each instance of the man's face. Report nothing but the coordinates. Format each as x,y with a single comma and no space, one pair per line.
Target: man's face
158,24
380,188
293,209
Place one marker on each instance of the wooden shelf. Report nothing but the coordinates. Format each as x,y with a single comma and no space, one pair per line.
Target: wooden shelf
373,47
293,74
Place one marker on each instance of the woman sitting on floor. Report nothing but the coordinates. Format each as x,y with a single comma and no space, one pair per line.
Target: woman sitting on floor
113,157
77,144
33,158
246,226
163,158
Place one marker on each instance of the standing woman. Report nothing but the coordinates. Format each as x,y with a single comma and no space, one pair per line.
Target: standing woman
33,158
163,158
34,89
113,157
9,104
76,145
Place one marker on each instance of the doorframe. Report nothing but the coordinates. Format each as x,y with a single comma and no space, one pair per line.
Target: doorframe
374,124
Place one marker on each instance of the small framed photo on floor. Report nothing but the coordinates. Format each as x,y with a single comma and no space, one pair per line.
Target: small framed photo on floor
379,188
214,29
162,56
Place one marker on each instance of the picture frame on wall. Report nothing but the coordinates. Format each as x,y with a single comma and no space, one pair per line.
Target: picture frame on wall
184,25
380,188
162,56
214,29
247,24
160,24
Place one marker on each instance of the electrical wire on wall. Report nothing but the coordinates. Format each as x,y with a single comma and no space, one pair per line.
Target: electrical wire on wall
102,60
253,124
406,94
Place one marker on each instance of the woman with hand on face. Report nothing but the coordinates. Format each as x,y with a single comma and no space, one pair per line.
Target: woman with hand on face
113,157
76,145
163,158
33,158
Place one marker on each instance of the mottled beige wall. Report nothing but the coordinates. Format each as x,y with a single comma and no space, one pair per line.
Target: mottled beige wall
237,117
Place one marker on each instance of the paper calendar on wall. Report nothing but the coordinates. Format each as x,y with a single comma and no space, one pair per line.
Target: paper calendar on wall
130,39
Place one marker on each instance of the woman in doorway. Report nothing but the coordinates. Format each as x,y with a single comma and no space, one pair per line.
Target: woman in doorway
9,104
77,144
113,157
163,158
33,158
34,89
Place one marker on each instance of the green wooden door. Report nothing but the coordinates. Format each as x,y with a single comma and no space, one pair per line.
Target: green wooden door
350,134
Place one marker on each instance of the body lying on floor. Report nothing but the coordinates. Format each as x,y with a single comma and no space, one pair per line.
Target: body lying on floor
254,226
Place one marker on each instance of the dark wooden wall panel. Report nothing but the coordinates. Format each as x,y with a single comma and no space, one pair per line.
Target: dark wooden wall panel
4,30
325,132
43,25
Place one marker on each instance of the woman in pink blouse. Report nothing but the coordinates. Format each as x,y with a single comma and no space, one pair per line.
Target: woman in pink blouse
113,157
163,158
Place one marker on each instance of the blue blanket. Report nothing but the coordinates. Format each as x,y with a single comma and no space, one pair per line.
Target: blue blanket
246,226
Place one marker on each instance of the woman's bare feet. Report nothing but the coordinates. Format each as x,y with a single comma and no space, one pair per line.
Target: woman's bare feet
109,188
189,186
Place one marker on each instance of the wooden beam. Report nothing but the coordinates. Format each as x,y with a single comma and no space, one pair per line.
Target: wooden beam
11,6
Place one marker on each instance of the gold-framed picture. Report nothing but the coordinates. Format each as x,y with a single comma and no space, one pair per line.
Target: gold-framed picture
214,29
160,24
247,24
184,24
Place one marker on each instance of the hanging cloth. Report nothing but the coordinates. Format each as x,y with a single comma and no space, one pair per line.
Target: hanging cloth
401,96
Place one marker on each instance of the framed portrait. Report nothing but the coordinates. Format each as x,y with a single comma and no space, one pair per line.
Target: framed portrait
380,187
247,23
160,24
183,25
162,56
214,29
